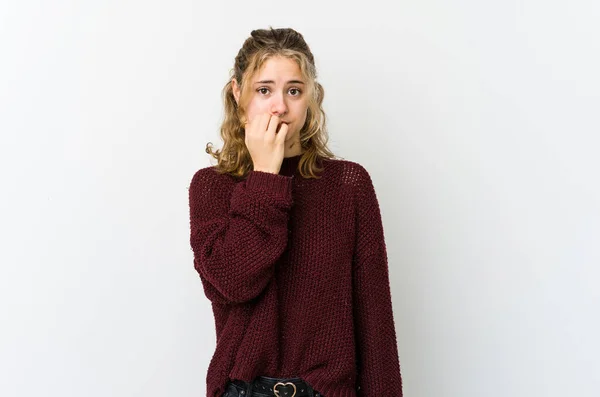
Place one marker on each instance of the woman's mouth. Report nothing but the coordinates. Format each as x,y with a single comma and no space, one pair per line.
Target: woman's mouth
280,124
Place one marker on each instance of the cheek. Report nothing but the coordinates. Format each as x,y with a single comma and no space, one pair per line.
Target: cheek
255,108
303,117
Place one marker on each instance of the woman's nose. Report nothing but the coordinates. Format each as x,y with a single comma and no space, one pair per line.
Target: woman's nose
278,106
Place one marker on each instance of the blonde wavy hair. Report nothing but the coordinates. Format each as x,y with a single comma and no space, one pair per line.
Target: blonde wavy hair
234,157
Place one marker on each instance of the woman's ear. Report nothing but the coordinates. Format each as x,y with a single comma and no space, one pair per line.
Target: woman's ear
236,90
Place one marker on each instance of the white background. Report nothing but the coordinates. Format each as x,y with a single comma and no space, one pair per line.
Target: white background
477,120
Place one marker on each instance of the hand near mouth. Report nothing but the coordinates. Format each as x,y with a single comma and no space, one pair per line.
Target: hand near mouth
265,140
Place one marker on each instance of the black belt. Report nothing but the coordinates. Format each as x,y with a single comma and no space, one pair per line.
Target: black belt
277,387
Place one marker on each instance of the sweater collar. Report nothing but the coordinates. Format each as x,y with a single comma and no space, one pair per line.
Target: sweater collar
289,165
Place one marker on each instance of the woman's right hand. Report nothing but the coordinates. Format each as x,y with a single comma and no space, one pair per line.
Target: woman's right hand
265,143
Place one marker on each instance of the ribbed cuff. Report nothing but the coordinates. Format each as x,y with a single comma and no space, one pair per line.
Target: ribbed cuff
277,184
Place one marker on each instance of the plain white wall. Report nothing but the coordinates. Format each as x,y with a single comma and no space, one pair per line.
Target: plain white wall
478,121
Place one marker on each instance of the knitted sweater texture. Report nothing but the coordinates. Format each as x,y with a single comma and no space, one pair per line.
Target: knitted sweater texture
297,275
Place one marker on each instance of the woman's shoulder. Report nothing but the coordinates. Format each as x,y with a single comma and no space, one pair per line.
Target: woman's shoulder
209,177
351,171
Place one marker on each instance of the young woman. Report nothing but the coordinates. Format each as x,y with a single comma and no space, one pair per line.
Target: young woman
288,241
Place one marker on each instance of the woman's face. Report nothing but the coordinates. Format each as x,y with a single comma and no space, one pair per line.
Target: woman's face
278,88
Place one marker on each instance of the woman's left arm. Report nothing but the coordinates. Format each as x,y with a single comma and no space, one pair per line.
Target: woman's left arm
375,335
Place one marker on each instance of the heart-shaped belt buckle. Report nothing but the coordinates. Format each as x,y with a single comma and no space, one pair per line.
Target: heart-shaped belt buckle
284,384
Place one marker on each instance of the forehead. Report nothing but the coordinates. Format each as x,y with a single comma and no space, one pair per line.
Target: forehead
279,69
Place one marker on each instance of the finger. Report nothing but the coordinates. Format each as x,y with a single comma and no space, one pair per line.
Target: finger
250,123
273,124
263,121
283,130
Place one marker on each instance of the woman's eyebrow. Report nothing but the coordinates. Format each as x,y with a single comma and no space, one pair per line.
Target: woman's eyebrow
273,82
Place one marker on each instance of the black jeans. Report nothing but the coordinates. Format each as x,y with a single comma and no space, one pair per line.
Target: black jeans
264,386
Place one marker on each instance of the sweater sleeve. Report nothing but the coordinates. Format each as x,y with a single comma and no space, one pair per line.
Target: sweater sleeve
237,234
376,345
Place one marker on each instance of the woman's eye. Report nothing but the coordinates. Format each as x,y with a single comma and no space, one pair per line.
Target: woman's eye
263,89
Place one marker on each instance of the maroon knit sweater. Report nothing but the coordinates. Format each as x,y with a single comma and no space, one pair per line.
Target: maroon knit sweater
296,271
